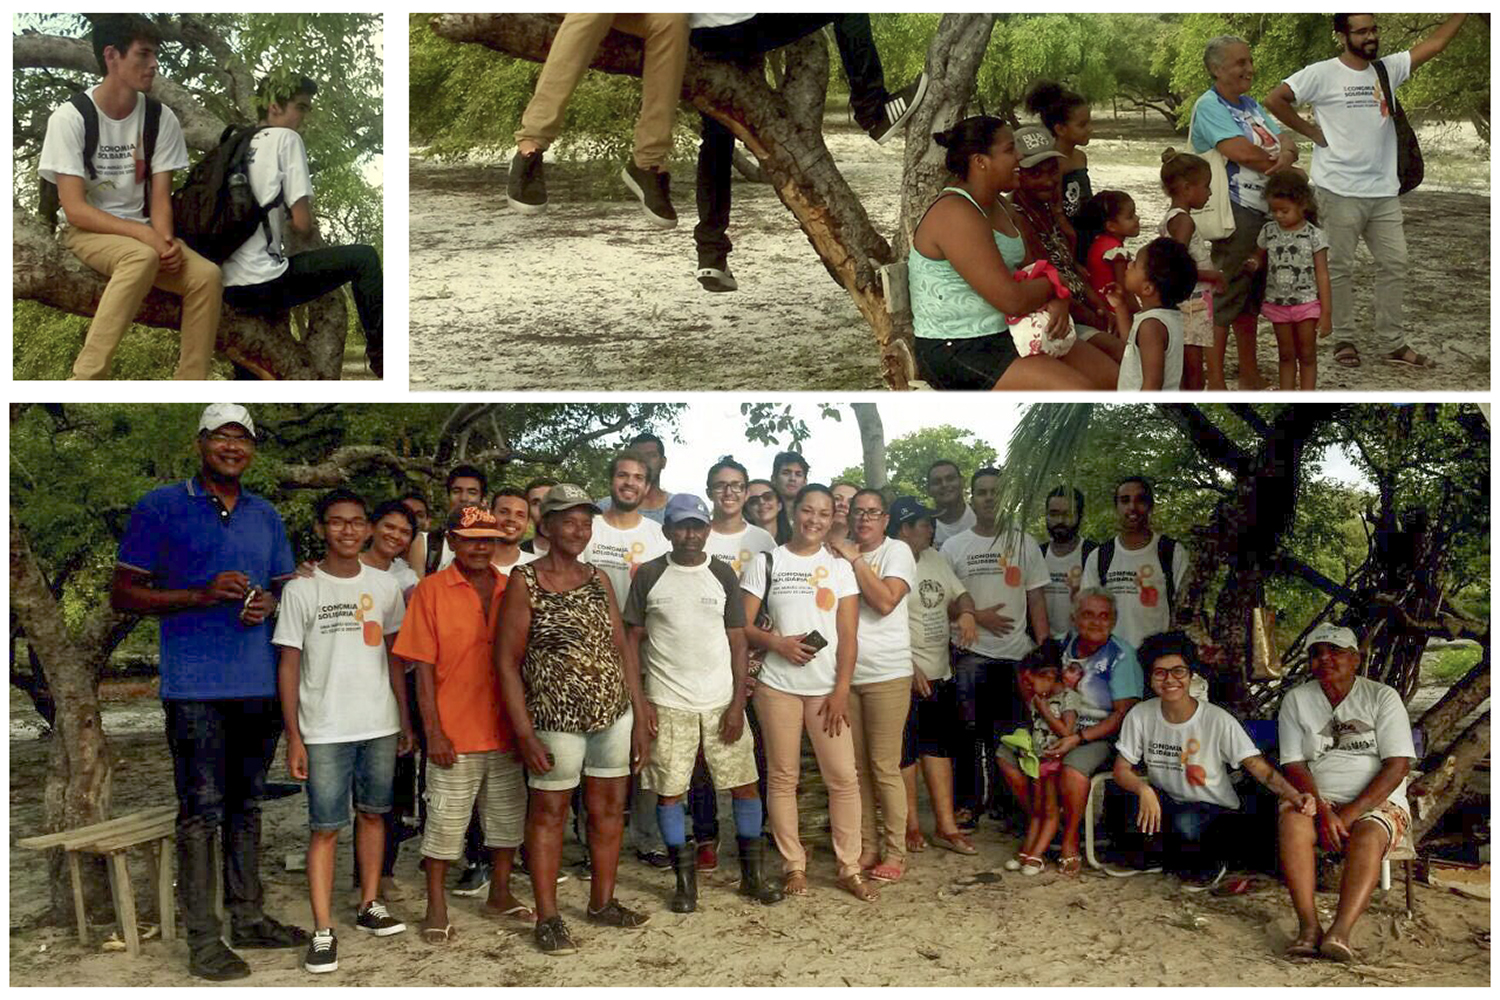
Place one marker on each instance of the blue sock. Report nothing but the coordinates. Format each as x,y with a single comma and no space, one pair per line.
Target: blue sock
673,823
748,816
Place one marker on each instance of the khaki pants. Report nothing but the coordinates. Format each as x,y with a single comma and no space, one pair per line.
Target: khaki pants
783,717
877,714
1379,222
579,37
134,269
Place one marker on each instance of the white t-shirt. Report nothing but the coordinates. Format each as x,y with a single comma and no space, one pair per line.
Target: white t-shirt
885,640
1002,572
942,532
716,20
737,549
685,656
522,558
340,625
618,552
1350,108
117,188
278,165
1136,581
405,576
805,595
1191,760
1132,372
936,588
1066,574
1345,747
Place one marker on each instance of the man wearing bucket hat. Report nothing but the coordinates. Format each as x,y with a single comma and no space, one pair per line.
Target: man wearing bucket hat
1347,740
686,619
471,750
206,556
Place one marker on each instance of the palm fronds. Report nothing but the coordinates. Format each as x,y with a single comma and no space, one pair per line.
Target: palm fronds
1044,451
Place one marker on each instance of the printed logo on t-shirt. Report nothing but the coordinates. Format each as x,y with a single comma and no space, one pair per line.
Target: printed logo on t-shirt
801,584
994,564
1351,736
605,554
1173,757
930,593
351,617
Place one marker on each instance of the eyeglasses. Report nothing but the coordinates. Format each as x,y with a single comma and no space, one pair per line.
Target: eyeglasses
718,488
866,514
1176,673
219,437
339,523
757,498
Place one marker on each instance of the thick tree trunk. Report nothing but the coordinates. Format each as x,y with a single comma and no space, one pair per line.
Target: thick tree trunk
1435,792
872,442
1440,722
77,792
782,127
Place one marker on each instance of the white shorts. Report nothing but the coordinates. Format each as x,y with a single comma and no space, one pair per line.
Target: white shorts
493,778
603,754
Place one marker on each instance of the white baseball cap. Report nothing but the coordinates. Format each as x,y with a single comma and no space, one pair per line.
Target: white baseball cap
216,415
1333,635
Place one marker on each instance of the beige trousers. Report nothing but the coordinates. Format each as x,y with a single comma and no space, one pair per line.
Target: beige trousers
134,269
877,714
579,37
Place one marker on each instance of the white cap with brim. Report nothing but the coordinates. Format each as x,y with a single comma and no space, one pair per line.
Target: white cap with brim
216,415
1333,635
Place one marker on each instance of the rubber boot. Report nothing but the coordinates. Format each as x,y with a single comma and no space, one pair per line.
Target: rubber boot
753,880
208,957
685,864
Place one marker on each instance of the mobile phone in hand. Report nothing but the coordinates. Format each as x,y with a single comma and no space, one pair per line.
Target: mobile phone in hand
815,640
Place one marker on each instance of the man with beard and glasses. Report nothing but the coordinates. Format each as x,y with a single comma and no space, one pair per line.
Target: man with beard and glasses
654,503
945,484
624,539
1354,169
1065,554
1141,568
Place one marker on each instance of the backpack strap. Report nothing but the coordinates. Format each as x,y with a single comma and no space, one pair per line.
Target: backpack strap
1166,549
434,551
85,105
1106,556
1088,547
148,144
1385,85
763,616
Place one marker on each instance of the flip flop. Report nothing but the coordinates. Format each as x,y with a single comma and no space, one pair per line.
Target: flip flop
1346,354
958,843
439,935
1302,949
1409,359
1237,886
916,843
1338,951
519,911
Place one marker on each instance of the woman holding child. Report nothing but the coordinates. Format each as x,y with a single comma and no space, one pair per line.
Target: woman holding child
963,255
1229,120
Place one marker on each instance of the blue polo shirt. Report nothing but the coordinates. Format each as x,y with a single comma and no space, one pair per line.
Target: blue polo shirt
178,535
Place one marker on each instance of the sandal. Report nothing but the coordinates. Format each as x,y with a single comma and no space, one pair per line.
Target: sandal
794,883
858,888
552,937
1346,354
519,911
615,915
1031,864
886,872
1405,358
1304,949
1070,866
1013,864
957,842
1336,950
915,843
439,935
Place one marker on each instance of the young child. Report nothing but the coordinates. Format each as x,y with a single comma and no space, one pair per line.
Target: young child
1054,714
1185,178
1067,116
1299,296
1161,276
1104,224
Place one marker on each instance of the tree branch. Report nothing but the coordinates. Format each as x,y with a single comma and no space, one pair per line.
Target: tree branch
1210,442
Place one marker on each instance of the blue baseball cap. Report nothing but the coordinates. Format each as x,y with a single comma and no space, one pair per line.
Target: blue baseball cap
686,507
907,510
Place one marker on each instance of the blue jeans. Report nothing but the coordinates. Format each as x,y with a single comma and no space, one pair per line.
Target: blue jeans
365,767
1192,844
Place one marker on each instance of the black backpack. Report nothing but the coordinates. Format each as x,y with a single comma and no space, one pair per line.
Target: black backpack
50,203
1088,547
215,211
1166,548
1410,170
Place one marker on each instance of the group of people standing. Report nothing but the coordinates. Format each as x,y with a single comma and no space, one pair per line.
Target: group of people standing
686,646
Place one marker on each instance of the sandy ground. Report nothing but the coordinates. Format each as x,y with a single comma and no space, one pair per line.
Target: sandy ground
952,921
591,297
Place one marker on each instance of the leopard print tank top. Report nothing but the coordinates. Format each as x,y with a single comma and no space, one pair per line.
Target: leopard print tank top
573,674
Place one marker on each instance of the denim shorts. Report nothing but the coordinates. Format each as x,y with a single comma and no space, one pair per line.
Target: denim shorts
603,754
367,768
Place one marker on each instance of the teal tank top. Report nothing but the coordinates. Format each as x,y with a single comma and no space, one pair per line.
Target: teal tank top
943,305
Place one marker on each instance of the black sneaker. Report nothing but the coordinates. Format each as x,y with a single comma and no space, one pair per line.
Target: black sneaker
897,109
656,859
268,933
216,963
524,869
612,914
552,937
714,274
1205,881
322,952
654,189
377,920
525,189
474,881
583,869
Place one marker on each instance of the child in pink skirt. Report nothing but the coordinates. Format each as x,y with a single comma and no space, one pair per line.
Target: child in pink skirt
1298,293
1185,178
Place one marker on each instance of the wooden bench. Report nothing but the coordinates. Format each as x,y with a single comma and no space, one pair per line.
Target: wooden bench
154,829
